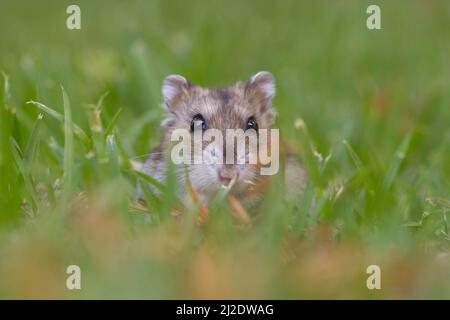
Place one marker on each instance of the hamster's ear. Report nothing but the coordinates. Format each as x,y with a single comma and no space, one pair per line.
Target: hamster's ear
174,89
261,88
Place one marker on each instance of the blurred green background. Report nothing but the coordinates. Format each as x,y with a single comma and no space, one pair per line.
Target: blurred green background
376,138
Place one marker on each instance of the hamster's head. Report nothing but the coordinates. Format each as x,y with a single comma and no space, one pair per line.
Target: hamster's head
210,113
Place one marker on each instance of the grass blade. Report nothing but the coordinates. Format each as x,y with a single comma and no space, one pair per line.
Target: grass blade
49,111
399,156
99,104
30,149
58,116
299,222
150,180
112,124
353,155
6,90
22,168
113,155
68,145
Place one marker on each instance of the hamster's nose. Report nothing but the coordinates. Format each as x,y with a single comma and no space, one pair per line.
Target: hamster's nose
226,174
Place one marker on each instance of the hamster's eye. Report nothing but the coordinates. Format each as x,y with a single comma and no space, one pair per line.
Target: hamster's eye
198,123
251,124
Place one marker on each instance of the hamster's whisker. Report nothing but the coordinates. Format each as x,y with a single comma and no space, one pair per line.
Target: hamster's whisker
145,155
249,182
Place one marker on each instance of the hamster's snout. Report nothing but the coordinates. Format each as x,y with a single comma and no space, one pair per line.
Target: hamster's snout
226,173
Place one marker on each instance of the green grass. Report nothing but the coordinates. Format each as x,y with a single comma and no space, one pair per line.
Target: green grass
77,107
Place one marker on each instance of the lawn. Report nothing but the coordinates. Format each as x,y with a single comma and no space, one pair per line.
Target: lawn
367,111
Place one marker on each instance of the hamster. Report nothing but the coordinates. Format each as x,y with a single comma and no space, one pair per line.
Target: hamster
243,105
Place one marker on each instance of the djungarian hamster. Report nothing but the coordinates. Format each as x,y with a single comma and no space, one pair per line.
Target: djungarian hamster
244,105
